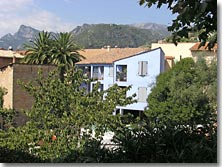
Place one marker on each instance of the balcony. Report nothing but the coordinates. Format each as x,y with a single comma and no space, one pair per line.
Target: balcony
98,72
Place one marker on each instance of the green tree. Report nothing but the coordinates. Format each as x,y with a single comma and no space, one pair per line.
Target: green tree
2,93
7,116
63,109
192,16
65,51
39,50
58,49
182,98
185,95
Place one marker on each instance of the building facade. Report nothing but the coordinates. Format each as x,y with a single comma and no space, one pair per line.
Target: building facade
179,51
8,56
204,52
135,67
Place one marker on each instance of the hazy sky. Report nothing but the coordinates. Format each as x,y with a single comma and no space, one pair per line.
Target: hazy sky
65,15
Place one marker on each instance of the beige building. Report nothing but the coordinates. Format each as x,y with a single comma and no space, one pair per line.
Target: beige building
182,50
204,52
16,97
8,56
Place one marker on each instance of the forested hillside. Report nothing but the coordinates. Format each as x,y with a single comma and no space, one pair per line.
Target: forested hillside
96,35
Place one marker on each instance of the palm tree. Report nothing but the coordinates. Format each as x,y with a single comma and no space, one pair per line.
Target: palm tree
65,52
38,51
57,49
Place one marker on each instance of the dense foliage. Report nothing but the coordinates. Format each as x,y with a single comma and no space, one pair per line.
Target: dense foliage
192,37
2,93
181,122
63,120
191,16
183,97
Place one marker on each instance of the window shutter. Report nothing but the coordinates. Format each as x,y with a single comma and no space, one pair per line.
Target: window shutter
144,63
111,71
142,94
142,68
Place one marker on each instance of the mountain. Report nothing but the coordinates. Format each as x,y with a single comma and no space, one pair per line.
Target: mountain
150,26
96,35
99,35
158,28
23,35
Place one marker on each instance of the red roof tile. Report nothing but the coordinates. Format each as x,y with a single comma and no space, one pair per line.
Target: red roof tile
103,56
202,48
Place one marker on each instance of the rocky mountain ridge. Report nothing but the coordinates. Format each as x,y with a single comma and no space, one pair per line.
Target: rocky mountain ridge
96,35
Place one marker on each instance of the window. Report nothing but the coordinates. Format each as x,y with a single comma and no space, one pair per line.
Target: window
142,94
142,70
98,72
86,71
121,72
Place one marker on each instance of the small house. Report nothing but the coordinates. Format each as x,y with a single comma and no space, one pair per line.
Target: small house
135,67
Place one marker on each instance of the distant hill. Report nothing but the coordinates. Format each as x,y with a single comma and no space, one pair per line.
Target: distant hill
99,35
157,28
96,35
23,35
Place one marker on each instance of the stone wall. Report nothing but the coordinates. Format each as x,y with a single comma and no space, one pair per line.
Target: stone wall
207,55
17,97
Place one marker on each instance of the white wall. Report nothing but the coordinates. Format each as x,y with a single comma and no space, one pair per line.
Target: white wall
156,64
155,60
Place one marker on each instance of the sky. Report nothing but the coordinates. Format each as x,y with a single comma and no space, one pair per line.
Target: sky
65,15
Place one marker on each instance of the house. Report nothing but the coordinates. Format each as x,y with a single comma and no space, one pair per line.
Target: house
204,52
137,67
179,51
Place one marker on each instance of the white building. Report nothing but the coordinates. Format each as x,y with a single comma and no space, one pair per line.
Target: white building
137,67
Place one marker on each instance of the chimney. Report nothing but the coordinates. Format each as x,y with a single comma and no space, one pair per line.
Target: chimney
14,58
108,48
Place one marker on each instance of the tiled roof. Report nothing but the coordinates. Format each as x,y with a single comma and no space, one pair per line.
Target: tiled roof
169,57
9,54
202,48
104,56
